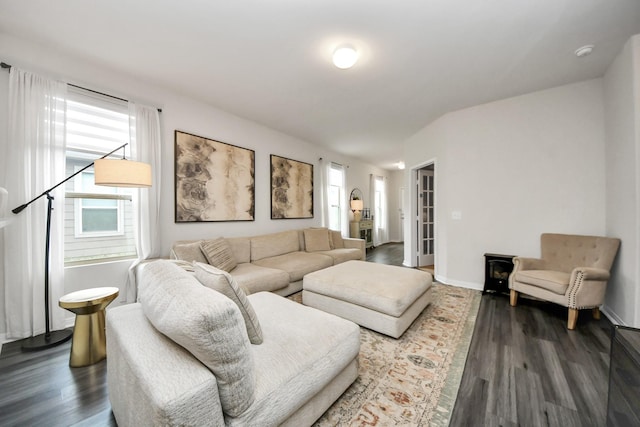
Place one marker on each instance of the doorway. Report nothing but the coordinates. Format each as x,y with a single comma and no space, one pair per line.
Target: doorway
425,217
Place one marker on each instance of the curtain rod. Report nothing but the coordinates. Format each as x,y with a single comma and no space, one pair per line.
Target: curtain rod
6,66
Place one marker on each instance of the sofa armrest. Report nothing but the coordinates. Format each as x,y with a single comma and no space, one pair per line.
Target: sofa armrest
350,242
152,380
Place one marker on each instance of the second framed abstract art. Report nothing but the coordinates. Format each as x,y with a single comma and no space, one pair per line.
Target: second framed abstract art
291,188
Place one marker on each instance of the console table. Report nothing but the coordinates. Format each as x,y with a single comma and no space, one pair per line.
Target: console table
362,229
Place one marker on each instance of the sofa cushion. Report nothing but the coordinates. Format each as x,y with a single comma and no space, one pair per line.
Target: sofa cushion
255,278
297,264
303,350
241,247
188,252
206,323
270,245
218,253
316,239
142,390
223,282
343,255
335,239
554,281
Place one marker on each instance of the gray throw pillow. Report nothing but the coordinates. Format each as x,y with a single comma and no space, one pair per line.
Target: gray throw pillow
316,239
224,283
335,240
218,253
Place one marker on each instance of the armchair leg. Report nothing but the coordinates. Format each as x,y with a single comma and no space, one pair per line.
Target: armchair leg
596,313
513,298
573,319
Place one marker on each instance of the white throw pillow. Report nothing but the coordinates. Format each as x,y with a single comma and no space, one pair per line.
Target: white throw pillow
207,324
224,283
188,252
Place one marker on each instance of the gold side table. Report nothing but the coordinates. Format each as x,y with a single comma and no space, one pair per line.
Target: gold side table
89,344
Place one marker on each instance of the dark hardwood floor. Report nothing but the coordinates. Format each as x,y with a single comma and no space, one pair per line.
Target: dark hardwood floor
524,368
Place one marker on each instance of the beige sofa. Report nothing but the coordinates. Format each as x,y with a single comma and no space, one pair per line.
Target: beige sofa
186,354
277,262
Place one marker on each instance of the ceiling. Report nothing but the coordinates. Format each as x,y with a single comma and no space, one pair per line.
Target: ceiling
270,60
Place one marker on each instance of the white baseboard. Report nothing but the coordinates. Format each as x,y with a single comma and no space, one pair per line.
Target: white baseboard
613,317
460,283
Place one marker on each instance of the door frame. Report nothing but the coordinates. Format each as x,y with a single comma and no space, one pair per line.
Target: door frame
411,220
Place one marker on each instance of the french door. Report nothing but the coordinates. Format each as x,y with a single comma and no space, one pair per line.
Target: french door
425,217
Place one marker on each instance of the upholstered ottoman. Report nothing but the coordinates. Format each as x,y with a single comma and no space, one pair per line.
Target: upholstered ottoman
381,297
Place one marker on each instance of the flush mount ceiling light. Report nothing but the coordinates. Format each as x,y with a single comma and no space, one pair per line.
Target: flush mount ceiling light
401,165
584,50
345,56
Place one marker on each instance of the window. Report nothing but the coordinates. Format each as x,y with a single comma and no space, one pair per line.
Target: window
98,219
336,192
96,216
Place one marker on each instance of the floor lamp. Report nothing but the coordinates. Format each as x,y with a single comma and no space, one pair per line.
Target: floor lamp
108,172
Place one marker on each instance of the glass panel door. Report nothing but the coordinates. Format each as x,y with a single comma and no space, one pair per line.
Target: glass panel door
426,220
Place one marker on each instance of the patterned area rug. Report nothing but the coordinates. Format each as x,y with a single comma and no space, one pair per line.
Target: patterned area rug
413,380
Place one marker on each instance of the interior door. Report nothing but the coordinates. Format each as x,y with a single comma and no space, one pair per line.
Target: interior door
425,217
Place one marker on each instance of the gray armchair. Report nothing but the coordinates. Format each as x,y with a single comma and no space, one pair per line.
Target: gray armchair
573,271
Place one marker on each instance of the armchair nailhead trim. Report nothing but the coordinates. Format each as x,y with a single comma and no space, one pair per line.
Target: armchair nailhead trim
574,290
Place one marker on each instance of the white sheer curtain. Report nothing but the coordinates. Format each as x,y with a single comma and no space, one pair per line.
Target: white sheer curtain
35,162
344,202
378,197
145,146
383,224
325,171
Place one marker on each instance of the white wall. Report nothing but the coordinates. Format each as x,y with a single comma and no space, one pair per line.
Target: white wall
622,124
513,169
395,183
179,112
4,94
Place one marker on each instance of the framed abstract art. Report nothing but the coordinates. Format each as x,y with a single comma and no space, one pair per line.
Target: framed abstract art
215,181
291,188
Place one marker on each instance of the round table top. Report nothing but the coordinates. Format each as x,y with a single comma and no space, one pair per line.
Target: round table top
89,295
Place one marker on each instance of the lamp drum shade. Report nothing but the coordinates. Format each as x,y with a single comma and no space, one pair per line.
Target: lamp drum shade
122,173
356,205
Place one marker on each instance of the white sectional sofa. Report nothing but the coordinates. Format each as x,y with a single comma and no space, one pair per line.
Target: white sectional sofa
276,262
191,356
